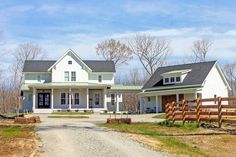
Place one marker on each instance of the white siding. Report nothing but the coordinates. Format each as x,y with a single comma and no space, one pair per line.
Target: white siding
62,66
33,77
107,78
214,85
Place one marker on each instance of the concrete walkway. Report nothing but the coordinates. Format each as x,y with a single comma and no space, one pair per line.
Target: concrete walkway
82,138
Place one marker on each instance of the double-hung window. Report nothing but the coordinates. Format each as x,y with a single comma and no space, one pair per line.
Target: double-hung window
97,99
66,76
73,76
112,99
76,97
63,98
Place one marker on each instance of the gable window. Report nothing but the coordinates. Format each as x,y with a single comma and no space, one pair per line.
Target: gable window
76,97
177,79
167,80
172,79
99,78
69,62
66,76
63,98
73,76
112,99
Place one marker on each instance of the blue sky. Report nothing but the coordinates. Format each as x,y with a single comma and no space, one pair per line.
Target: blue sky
77,24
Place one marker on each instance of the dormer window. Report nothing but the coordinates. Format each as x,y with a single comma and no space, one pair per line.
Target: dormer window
69,62
177,79
167,80
172,79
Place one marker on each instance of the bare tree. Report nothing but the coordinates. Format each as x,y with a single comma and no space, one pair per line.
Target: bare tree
230,72
134,77
114,50
151,51
200,49
26,51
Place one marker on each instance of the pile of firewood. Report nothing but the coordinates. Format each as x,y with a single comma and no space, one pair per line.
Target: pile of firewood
27,120
119,120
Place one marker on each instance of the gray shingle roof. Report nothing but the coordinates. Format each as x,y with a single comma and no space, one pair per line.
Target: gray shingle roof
44,65
196,76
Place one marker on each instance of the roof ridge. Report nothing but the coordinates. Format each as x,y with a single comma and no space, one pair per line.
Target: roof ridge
188,64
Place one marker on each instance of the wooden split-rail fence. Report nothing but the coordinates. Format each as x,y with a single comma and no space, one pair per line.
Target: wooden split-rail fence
219,110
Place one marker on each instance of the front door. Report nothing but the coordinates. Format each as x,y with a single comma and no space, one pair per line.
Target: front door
43,100
167,99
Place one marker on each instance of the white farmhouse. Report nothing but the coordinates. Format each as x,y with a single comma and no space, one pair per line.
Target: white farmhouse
71,83
186,81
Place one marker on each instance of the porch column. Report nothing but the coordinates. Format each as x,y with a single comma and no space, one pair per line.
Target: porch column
69,98
52,99
117,103
34,99
156,104
177,99
105,99
87,98
140,104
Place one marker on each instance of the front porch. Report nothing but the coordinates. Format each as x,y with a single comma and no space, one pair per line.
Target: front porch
74,99
154,102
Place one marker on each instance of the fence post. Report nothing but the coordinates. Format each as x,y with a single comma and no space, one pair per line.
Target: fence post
183,111
219,112
167,110
198,110
173,111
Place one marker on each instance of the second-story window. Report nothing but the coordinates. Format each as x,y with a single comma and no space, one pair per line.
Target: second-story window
69,62
172,79
99,78
39,78
73,76
66,76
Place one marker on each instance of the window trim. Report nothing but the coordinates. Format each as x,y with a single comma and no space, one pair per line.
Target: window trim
73,78
66,72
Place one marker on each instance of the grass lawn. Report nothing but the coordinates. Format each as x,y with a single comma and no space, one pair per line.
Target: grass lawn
17,141
160,116
178,139
72,113
59,116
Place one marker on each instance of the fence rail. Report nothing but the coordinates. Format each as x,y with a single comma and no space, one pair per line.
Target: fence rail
220,110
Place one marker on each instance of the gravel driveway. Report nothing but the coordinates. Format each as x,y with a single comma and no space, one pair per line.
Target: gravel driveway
82,138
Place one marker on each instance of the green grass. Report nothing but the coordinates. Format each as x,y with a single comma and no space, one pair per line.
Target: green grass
160,116
159,132
15,131
68,116
72,113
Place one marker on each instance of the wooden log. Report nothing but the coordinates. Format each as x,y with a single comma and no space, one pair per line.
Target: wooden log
184,111
173,111
219,112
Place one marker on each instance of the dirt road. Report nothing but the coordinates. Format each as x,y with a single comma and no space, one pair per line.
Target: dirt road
82,138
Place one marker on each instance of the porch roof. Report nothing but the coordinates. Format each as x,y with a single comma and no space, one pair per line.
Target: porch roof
126,87
168,91
26,87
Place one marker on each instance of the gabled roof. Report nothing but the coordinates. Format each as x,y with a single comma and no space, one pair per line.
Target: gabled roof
196,76
45,65
69,52
37,65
